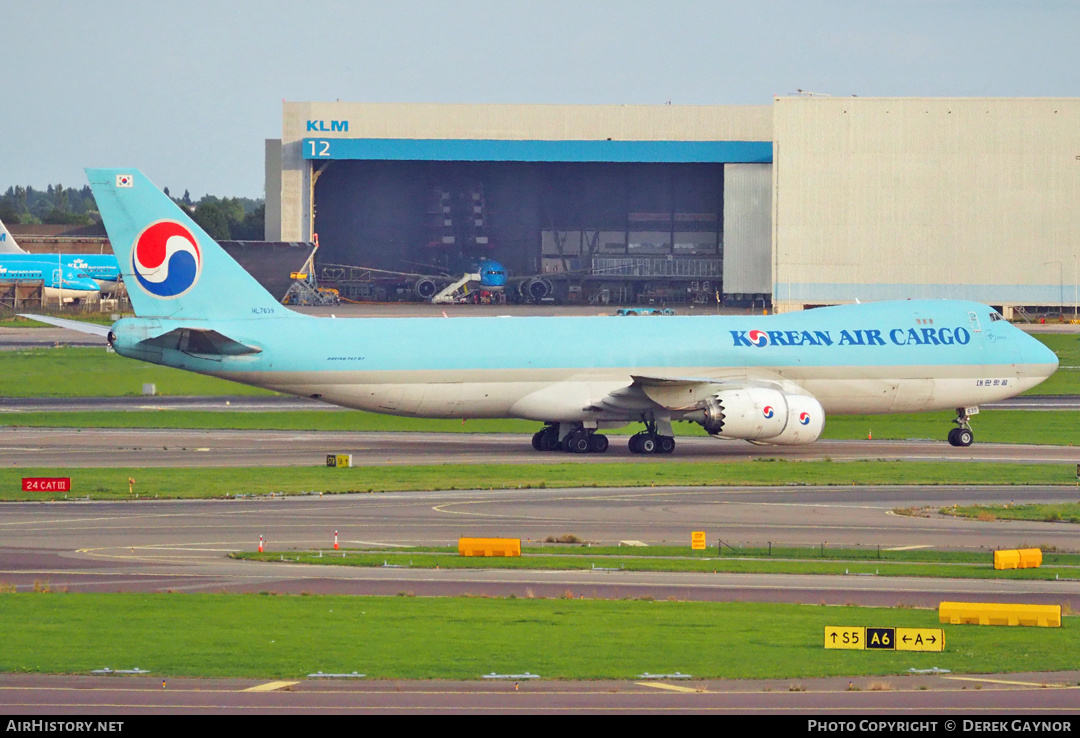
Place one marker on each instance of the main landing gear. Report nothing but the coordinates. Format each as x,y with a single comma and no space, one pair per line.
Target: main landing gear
652,441
962,435
657,438
578,440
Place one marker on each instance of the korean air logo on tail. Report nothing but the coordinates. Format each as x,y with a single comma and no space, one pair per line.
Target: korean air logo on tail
804,418
166,259
768,411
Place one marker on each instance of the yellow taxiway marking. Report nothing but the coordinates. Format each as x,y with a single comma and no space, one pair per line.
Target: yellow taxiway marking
270,687
1003,681
672,687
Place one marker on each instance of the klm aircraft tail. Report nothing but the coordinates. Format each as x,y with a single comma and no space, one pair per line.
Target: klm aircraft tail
7,243
171,267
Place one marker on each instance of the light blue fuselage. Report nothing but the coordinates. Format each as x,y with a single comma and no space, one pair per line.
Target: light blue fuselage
869,358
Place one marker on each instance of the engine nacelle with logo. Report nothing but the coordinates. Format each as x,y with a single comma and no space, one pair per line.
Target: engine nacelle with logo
806,421
761,414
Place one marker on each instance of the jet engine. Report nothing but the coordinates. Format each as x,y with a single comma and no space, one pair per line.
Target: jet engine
425,288
535,289
761,414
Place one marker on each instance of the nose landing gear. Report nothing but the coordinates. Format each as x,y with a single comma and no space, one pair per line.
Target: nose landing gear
962,435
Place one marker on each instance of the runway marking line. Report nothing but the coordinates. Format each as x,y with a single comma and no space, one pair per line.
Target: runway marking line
671,687
270,687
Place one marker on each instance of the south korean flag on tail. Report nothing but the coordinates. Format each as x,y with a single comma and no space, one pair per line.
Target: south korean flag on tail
125,180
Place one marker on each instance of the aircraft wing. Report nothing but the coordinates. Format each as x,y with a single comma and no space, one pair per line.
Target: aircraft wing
686,393
673,393
74,325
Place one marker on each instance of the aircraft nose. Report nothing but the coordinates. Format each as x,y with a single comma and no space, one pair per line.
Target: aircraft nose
1040,360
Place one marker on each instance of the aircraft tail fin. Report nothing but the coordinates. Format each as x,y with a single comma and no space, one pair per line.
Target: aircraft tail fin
172,267
7,242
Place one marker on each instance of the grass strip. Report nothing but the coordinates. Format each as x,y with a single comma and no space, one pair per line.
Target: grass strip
714,553
94,372
1068,512
1055,427
220,482
657,564
466,637
318,420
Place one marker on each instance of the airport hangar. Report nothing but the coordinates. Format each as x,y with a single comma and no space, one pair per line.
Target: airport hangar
812,200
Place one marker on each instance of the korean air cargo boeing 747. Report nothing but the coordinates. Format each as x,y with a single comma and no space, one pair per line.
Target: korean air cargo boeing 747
764,379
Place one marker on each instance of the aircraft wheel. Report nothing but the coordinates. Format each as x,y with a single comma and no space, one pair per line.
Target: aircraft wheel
550,440
598,444
634,443
538,440
961,437
647,444
665,445
577,442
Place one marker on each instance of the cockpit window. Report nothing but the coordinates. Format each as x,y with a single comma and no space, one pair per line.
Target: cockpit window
995,317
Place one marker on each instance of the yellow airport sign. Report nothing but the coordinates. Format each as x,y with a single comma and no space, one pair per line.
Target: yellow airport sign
855,638
920,639
697,540
881,639
850,638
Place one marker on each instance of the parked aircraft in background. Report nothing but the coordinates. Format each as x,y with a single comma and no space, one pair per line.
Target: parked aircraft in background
102,268
59,284
484,275
766,379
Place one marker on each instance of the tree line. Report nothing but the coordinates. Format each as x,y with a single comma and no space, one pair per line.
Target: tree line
224,218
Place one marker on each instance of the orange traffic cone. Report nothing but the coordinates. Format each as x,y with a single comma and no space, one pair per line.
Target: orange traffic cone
870,436
335,541
260,544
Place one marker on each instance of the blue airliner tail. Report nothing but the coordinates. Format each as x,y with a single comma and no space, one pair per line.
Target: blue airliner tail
171,267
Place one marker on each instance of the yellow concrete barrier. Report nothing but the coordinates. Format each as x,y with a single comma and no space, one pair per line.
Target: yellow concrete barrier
1007,559
1030,558
986,613
489,547
1024,558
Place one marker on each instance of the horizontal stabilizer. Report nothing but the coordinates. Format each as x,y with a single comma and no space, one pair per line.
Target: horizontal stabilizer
73,325
200,341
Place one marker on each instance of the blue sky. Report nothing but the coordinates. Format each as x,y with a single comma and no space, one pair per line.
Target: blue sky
187,91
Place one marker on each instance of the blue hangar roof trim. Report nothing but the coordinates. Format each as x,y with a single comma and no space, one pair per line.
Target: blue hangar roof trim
422,149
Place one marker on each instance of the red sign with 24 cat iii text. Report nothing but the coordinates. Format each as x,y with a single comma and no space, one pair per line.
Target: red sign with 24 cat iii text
46,484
